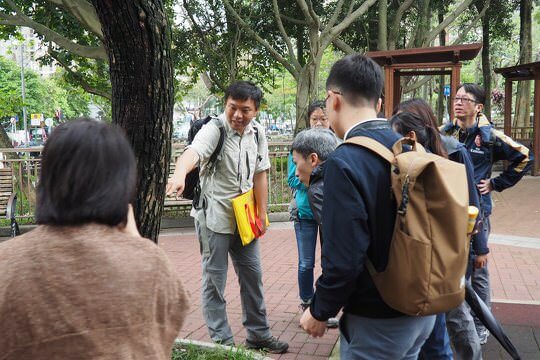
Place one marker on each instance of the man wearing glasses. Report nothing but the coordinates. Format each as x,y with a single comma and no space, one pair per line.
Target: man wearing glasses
357,223
486,146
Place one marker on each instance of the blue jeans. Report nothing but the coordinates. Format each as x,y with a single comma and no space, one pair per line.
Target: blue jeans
306,239
437,346
396,338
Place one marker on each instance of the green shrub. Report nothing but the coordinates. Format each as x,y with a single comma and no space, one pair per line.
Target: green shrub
194,352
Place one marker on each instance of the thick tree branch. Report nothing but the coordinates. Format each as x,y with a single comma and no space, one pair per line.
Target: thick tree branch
473,24
394,29
79,78
294,71
351,8
286,37
93,52
361,10
305,10
447,21
343,46
313,13
84,12
458,40
411,87
294,21
207,47
335,14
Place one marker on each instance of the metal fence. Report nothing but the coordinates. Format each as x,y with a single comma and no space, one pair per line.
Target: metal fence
279,195
26,164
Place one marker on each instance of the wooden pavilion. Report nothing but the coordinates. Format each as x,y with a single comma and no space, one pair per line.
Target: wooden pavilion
439,60
530,71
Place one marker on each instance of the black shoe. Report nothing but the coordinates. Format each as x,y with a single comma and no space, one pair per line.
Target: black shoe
271,345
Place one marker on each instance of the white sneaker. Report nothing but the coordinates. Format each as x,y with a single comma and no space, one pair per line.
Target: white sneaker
332,323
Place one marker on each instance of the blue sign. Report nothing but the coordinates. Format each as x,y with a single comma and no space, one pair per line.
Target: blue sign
446,90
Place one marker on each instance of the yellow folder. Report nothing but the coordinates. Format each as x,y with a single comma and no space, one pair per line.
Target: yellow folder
247,221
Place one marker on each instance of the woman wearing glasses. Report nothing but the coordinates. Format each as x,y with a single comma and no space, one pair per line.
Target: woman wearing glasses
486,146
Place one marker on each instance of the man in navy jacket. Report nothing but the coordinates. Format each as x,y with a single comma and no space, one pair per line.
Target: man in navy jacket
486,146
358,221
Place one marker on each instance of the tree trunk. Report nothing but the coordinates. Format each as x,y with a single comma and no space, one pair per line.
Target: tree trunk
382,43
422,27
306,92
486,64
523,98
137,38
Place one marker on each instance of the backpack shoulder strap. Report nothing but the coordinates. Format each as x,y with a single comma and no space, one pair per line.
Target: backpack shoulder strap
221,140
383,152
372,145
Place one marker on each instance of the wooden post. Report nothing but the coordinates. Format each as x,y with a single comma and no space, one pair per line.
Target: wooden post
388,90
397,89
454,83
536,128
508,107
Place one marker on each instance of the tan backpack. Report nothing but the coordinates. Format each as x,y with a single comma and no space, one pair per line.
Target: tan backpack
429,250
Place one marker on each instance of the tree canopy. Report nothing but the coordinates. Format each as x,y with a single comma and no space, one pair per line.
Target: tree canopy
42,95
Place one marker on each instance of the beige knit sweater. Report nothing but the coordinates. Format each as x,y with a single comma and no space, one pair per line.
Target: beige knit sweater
88,292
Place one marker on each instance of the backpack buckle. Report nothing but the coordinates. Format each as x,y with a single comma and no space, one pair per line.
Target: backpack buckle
402,210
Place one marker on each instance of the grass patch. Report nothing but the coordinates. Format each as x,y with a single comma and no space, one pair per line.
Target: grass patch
195,352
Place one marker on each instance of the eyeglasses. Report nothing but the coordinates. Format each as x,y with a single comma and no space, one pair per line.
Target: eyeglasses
333,91
464,100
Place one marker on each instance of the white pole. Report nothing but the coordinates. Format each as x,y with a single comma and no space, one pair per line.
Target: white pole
23,95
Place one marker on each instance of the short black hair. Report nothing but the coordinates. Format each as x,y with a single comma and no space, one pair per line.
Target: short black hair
244,90
88,174
359,78
317,104
475,90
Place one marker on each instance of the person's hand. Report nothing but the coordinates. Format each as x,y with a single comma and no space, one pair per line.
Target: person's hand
131,224
480,261
262,220
311,325
485,186
176,184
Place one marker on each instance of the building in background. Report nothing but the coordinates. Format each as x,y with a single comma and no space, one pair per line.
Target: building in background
33,49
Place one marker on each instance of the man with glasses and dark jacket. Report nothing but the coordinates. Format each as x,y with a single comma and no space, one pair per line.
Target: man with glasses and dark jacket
486,146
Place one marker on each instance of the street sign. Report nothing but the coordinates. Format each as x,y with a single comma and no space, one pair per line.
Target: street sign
36,119
446,90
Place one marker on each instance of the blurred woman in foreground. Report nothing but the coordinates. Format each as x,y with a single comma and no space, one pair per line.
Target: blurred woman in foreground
84,284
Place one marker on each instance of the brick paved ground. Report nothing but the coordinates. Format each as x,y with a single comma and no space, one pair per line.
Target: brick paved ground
279,260
515,274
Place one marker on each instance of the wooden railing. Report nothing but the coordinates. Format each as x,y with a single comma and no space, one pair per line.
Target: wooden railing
26,165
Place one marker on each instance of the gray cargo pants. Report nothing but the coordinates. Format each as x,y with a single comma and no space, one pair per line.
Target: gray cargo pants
462,332
480,282
215,248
